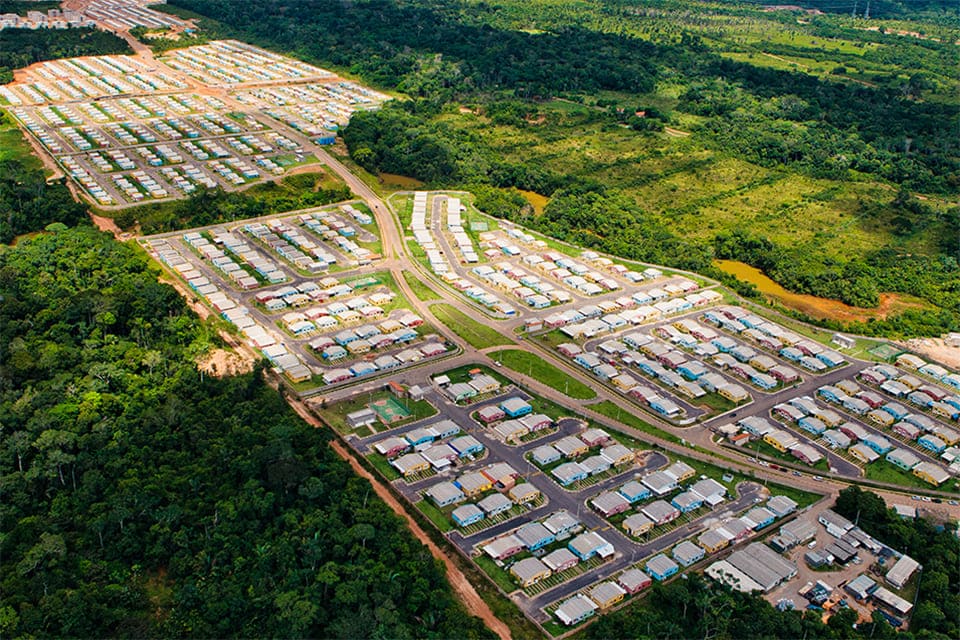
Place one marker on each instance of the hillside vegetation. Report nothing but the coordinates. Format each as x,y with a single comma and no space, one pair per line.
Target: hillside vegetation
690,131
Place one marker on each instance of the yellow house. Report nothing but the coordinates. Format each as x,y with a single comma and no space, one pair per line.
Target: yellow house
637,524
358,346
779,440
473,484
529,571
929,472
607,594
949,436
523,493
681,471
411,464
733,393
713,541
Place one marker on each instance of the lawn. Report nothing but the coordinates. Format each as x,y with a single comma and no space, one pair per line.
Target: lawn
614,412
13,146
716,403
382,465
883,471
478,335
499,576
436,516
535,367
419,287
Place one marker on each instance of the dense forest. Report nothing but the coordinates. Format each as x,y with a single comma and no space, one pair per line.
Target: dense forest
27,202
143,499
863,137
23,47
699,608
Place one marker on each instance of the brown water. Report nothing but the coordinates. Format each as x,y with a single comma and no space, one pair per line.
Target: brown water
812,305
536,200
405,182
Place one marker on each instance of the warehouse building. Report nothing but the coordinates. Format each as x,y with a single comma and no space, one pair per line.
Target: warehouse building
901,572
762,565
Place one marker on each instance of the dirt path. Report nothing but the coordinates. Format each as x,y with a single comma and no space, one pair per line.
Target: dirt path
106,224
467,594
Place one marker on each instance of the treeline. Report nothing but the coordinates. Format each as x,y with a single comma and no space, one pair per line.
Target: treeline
212,206
398,139
828,129
23,47
386,42
143,499
27,202
859,281
699,608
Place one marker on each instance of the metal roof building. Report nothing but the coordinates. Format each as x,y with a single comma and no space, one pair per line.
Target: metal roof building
901,572
763,565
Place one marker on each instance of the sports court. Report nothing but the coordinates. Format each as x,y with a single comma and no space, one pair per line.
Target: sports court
389,410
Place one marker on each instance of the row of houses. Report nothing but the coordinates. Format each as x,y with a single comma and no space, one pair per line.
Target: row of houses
868,447
610,456
360,340
932,370
759,428
478,384
769,335
601,596
382,363
930,397
292,245
322,290
488,506
256,335
428,450
423,235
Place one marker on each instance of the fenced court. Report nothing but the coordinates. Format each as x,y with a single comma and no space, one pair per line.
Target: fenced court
390,410
886,351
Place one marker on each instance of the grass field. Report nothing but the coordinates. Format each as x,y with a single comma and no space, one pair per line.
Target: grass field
436,516
614,412
478,335
382,465
419,288
537,368
500,577
12,144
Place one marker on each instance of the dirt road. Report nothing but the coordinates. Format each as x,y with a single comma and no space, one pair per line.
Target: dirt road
467,594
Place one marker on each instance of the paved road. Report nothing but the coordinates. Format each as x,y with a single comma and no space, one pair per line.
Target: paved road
627,551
